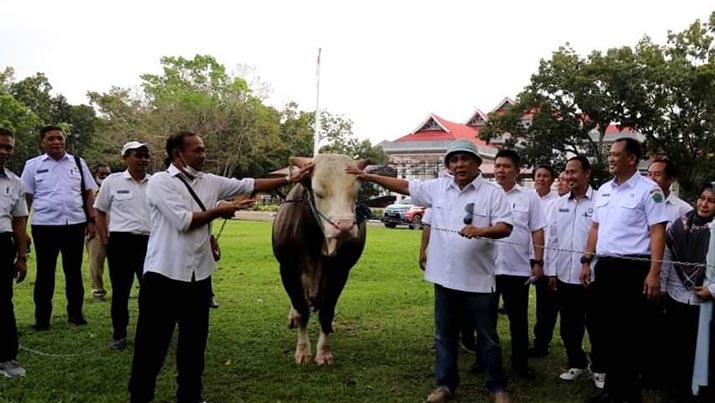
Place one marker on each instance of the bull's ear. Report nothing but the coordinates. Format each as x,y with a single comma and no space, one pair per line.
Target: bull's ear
361,164
300,162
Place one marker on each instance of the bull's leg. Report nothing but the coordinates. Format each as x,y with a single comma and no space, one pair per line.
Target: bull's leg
298,315
324,356
334,286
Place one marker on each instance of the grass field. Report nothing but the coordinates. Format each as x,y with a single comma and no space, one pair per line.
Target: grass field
382,342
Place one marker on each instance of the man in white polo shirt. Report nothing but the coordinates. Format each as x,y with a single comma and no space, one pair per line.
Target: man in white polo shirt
514,268
175,288
123,197
628,235
54,184
463,207
664,173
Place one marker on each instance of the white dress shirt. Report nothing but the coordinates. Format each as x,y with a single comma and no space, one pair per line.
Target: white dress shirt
624,214
675,207
12,200
175,250
547,203
569,226
125,200
453,261
528,217
55,187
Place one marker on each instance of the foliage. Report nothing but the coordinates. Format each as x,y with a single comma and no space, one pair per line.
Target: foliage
666,92
386,303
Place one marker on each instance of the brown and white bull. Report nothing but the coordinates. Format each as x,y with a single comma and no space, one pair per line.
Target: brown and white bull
317,239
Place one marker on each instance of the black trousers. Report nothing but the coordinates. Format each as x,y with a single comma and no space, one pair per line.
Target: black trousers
164,303
682,324
547,310
125,256
8,325
516,302
623,304
576,306
50,241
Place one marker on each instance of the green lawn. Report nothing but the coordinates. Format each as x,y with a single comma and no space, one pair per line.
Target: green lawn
382,342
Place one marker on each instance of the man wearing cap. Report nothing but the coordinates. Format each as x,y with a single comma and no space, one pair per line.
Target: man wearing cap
96,251
123,196
465,209
60,190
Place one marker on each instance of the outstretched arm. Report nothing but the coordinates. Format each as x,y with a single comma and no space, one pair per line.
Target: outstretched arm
394,184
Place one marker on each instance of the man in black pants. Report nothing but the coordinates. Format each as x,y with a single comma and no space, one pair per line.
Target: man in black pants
628,235
182,202
62,189
13,255
123,197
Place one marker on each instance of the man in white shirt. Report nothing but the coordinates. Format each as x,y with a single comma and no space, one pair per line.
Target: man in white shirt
569,224
664,173
562,185
466,212
60,190
546,307
175,287
628,235
13,255
123,196
514,268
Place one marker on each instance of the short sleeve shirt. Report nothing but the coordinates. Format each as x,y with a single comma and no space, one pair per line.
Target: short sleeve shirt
624,214
12,199
453,261
125,199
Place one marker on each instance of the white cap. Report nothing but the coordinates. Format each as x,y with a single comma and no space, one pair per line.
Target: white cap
133,145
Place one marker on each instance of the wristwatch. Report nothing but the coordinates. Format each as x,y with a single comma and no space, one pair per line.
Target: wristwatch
586,259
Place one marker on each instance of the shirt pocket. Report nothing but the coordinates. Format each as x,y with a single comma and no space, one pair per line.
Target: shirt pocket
45,184
123,196
627,212
520,213
480,217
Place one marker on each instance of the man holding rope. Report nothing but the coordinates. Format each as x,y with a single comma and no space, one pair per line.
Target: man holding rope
461,267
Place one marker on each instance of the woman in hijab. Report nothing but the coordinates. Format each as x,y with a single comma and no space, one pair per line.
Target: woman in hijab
687,242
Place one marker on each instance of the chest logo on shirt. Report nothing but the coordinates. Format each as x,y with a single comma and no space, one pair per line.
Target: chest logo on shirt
657,195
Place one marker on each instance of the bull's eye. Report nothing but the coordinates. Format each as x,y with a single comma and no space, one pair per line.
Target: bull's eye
319,195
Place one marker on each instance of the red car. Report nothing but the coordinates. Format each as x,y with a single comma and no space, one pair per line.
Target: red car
403,213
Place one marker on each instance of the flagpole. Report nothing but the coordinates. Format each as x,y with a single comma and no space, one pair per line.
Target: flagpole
316,135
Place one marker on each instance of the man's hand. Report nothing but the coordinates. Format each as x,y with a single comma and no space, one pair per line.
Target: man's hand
225,209
552,283
362,175
470,231
20,269
423,259
703,293
586,274
651,287
245,204
91,230
537,271
301,174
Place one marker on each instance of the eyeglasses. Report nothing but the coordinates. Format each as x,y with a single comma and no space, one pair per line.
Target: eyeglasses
469,209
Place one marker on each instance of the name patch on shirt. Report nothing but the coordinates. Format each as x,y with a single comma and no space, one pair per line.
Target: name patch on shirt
41,171
123,191
563,210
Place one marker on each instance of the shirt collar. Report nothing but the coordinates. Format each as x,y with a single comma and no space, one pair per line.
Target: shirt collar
671,198
174,171
46,156
517,188
589,193
474,183
127,175
631,182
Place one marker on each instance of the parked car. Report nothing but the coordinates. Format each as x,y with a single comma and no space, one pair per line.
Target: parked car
403,213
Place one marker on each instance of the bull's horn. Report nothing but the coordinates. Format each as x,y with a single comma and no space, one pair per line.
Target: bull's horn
361,164
300,161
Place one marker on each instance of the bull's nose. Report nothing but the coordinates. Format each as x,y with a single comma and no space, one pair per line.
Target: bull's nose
343,228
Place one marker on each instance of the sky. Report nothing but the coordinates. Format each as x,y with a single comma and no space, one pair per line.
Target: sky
385,65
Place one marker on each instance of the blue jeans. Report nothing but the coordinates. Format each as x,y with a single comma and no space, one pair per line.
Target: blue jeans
450,307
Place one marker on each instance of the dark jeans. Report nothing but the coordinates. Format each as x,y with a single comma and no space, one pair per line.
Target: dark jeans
50,241
576,304
449,308
547,310
8,325
125,256
516,302
622,303
682,324
164,303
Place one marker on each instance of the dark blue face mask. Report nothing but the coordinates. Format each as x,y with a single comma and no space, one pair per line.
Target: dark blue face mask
469,209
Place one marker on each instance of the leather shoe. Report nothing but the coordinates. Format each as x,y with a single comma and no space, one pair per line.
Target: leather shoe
439,395
41,326
77,321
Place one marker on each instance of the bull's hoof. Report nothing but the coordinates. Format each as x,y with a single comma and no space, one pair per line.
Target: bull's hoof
324,357
294,319
302,355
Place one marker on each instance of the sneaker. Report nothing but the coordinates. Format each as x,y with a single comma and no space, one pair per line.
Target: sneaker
120,344
599,379
573,374
11,369
439,395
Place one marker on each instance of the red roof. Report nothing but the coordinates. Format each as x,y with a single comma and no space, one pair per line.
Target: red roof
453,131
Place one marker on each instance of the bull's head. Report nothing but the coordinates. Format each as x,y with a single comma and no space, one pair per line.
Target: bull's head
333,196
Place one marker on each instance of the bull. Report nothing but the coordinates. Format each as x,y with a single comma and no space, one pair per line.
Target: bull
317,239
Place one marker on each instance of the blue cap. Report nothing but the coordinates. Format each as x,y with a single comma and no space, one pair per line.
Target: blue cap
462,146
